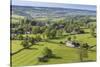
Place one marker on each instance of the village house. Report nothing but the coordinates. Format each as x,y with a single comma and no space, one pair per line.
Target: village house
72,44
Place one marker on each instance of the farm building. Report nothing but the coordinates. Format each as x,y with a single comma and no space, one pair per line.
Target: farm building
72,44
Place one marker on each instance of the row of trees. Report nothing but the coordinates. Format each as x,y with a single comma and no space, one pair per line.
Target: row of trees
33,26
27,41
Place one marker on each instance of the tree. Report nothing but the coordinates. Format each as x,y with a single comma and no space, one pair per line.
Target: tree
26,21
92,31
53,33
26,38
20,37
69,38
36,29
77,29
50,33
46,33
83,52
74,38
69,27
42,29
47,52
32,40
25,44
38,37
20,30
86,46
59,32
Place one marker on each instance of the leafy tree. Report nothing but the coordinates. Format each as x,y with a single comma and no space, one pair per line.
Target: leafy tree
77,29
47,32
32,40
38,38
83,52
36,29
69,28
27,27
25,44
26,21
74,38
20,37
59,32
42,29
26,38
69,38
92,31
47,52
53,33
20,30
86,46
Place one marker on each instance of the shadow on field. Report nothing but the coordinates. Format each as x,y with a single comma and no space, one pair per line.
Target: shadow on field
23,49
61,37
32,48
52,42
56,57
80,33
17,51
89,61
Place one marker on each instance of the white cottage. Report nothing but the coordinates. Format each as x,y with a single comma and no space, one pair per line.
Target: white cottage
72,44
69,44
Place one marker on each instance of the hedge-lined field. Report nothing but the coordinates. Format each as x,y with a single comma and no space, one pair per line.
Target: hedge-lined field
63,54
42,35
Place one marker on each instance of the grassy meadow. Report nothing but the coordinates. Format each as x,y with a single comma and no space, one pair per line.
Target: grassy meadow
41,35
63,53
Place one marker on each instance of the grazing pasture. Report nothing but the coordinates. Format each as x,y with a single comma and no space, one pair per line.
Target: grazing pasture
39,35
63,53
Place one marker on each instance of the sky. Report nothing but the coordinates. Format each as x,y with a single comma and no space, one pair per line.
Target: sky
88,2
58,3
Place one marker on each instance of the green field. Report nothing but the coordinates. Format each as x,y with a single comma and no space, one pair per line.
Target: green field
69,36
63,54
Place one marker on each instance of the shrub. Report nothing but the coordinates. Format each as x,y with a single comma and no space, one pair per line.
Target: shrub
20,37
69,38
46,54
61,42
82,31
25,44
32,40
42,59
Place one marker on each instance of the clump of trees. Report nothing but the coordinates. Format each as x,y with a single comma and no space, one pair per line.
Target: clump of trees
51,29
29,41
35,29
92,32
83,51
32,40
25,44
50,33
46,54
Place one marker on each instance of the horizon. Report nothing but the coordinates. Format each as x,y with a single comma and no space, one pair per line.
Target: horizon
54,5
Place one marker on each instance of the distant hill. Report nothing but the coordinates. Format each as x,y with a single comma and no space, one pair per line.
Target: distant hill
55,5
51,12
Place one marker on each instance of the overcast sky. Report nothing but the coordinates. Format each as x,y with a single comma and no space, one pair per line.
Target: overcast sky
63,3
89,2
